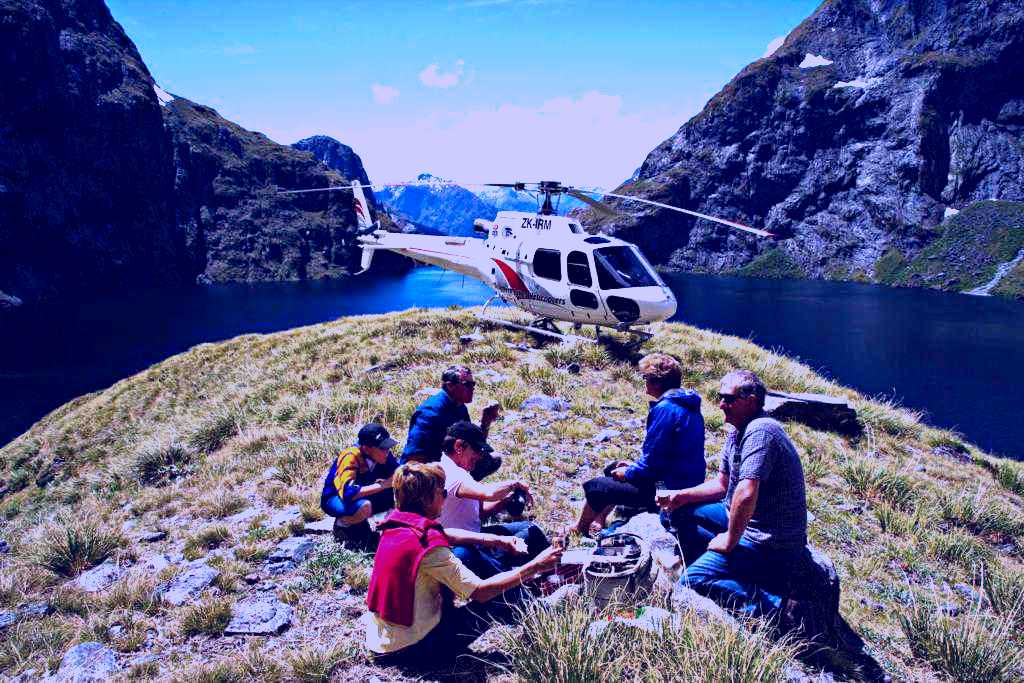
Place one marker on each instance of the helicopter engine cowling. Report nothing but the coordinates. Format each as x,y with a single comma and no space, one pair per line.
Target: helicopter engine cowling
482,226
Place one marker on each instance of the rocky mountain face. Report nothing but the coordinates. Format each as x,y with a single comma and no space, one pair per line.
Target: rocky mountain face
236,225
107,181
339,157
852,141
86,179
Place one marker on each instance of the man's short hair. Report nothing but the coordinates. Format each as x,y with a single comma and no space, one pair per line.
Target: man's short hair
453,373
747,384
665,370
415,485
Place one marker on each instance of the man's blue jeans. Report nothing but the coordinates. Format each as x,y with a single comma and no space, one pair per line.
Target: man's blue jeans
486,562
750,579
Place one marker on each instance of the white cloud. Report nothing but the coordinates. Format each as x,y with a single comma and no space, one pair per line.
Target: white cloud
811,61
433,77
383,94
235,50
584,140
773,45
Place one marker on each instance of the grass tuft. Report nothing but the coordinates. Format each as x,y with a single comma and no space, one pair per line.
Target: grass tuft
210,617
75,541
214,431
158,462
315,664
974,647
207,539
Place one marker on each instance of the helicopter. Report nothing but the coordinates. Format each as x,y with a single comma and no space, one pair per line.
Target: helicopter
543,263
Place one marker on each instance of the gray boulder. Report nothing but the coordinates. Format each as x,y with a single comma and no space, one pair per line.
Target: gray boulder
320,527
7,619
98,578
86,663
819,411
187,585
606,435
261,616
295,549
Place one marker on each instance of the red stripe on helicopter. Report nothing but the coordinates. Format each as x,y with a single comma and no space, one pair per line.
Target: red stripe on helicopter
514,281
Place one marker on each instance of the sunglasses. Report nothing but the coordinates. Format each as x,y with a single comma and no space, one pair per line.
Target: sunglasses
468,383
729,399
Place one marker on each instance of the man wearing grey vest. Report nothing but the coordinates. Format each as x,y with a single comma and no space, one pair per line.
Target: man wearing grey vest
742,532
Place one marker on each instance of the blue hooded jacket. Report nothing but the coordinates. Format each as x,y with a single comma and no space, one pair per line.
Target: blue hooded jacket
673,450
428,426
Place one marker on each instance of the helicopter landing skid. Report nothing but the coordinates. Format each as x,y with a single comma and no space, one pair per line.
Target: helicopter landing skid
544,327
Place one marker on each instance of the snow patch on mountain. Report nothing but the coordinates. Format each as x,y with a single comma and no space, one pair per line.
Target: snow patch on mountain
812,60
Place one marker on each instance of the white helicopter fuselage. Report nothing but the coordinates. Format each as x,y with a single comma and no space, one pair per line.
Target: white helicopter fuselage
546,265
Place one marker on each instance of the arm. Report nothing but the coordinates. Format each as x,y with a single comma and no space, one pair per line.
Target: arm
466,537
656,448
498,491
488,416
711,490
744,501
499,583
371,489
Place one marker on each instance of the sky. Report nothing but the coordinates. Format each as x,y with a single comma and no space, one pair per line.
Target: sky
470,90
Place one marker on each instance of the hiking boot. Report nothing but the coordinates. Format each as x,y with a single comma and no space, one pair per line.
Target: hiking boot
356,536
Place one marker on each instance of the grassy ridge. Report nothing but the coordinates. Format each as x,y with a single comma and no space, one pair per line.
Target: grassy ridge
913,516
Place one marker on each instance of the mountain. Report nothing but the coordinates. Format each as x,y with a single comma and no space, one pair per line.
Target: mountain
108,181
339,157
86,174
507,199
874,122
439,206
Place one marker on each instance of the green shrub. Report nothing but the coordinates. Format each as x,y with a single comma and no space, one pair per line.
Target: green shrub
75,541
210,616
888,266
332,566
774,264
973,647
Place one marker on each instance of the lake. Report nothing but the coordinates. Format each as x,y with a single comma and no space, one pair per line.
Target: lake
958,358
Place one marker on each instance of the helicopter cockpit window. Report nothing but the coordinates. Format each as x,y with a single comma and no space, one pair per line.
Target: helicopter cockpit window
619,267
578,268
547,263
574,228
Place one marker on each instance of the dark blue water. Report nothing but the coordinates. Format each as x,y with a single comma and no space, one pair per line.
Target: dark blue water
958,358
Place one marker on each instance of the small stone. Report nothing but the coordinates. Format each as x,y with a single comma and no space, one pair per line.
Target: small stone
284,516
872,605
573,368
271,472
155,563
919,468
855,508
260,616
7,619
426,391
35,610
152,536
4,547
252,579
189,584
295,549
319,527
86,663
471,338
488,376
634,423
949,609
278,568
447,348
548,403
968,592
242,516
98,578
606,435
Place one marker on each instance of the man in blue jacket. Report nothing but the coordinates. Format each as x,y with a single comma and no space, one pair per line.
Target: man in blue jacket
673,449
433,417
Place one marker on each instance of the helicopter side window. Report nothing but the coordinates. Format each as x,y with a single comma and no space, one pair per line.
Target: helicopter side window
547,263
578,268
619,267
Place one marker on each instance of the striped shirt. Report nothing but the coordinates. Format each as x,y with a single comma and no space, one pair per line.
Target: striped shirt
763,452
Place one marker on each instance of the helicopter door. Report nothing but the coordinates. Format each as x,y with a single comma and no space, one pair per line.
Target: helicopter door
586,305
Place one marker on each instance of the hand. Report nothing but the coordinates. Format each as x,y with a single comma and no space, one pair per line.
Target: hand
669,500
521,486
721,543
516,546
490,414
619,473
384,483
547,560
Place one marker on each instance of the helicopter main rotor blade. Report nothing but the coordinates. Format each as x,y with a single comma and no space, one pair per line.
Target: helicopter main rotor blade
598,206
328,189
731,224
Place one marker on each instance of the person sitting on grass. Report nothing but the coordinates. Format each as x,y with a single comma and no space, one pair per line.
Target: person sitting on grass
358,485
412,620
495,548
673,450
433,417
743,532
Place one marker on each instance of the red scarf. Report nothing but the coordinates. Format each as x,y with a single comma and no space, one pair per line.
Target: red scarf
405,538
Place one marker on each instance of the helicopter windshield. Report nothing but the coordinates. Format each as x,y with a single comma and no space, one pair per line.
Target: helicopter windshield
619,267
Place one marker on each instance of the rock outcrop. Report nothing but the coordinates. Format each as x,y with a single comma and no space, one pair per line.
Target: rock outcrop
853,139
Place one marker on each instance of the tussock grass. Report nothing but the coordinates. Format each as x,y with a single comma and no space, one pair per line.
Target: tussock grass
1010,475
1005,592
221,503
256,665
134,592
75,541
961,549
157,462
218,672
980,515
206,539
214,431
314,664
210,617
875,483
973,647
28,640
